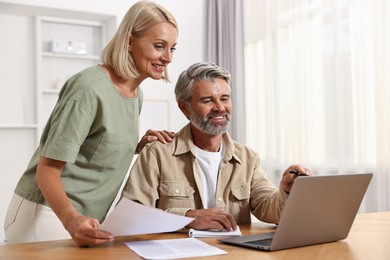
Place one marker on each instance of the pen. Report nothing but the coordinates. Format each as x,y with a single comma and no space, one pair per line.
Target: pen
297,173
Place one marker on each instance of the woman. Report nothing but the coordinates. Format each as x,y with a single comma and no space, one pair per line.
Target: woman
92,134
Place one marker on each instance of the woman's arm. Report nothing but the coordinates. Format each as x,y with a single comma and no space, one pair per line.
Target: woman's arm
84,230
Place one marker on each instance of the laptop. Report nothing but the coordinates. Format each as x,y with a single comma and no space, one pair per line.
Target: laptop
319,209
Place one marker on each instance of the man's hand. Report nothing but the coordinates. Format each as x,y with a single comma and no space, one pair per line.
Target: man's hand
290,174
211,219
154,135
85,231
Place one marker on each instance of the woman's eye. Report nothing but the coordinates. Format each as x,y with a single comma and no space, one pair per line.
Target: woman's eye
159,47
173,49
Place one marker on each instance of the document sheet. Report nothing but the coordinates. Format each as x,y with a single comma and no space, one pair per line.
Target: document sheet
173,248
131,218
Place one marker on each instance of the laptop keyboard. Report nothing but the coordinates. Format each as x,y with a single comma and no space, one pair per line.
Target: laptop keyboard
261,242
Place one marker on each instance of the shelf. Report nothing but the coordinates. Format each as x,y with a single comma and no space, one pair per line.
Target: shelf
27,126
77,22
54,65
70,56
51,91
33,74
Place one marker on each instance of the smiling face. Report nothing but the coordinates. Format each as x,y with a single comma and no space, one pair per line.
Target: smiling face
210,107
153,51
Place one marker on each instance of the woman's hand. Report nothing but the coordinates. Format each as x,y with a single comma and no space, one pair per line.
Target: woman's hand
85,231
163,136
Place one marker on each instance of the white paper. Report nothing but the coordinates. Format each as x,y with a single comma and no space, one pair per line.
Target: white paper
131,218
173,248
211,233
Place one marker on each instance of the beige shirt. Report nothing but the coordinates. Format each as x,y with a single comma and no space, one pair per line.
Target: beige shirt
165,176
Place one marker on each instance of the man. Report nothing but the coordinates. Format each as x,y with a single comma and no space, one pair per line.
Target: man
203,173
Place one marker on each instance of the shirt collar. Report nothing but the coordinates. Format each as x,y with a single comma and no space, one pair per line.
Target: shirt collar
184,144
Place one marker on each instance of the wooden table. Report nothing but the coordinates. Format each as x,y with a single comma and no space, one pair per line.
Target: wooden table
369,239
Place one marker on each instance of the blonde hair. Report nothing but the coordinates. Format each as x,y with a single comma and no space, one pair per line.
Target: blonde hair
140,17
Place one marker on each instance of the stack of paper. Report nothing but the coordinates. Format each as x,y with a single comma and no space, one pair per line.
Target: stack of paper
213,233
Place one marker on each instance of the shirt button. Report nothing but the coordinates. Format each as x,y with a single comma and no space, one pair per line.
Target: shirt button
177,191
219,199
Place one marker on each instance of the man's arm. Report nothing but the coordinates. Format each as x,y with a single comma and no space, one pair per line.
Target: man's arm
267,200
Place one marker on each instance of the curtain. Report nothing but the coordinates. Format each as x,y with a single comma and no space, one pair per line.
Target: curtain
225,47
317,77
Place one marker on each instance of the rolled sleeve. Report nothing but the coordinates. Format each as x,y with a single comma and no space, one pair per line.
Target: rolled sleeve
178,211
59,150
69,127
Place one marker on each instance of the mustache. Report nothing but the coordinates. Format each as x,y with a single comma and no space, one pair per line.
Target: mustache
227,115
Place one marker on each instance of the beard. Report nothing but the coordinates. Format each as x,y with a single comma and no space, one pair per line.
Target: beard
204,125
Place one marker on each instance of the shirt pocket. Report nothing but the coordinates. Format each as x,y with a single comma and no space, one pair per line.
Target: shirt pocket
241,192
240,200
109,151
176,195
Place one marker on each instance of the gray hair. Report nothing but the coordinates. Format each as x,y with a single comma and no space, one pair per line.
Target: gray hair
202,71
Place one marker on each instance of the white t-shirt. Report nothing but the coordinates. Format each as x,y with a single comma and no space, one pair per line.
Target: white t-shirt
208,166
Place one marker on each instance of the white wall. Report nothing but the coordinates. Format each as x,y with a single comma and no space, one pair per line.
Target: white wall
190,49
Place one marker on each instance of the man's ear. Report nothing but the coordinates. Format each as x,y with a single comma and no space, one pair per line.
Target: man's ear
184,108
